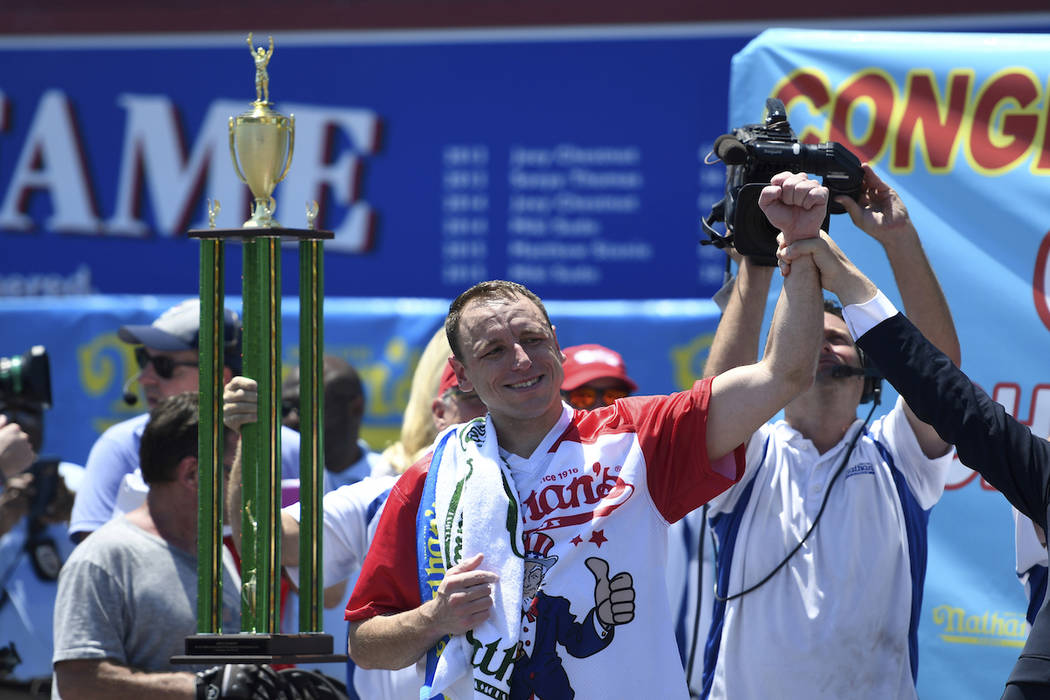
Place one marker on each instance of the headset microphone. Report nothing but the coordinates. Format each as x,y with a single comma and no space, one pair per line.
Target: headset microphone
130,397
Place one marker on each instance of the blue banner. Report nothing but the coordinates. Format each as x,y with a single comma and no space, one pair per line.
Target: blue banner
957,124
569,161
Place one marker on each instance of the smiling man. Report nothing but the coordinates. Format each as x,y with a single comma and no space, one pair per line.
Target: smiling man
575,504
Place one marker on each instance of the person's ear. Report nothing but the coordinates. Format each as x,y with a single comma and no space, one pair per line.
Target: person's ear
554,332
187,471
437,413
464,383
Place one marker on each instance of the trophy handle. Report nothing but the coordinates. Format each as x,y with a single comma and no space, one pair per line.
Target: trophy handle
233,156
291,148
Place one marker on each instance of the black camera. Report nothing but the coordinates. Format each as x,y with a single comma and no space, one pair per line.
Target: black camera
26,379
753,154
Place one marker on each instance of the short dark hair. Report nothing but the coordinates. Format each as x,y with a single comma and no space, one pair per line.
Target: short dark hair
170,436
492,289
342,388
832,307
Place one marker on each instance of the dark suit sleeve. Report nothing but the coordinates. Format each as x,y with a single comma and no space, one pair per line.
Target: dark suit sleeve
986,438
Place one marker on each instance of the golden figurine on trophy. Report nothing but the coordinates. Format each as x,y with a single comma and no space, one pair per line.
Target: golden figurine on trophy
261,144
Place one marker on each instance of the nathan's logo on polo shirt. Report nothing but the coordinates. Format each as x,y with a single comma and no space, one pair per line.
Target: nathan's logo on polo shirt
862,468
576,496
997,629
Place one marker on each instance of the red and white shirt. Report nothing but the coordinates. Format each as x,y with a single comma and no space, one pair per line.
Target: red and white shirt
602,484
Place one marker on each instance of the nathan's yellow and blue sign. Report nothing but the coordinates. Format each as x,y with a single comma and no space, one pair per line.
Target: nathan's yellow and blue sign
997,629
959,125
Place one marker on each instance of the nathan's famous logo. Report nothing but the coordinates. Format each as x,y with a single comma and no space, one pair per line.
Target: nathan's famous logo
958,626
998,123
435,568
593,493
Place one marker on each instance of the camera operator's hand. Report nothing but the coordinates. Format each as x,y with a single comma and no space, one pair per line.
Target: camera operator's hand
240,403
15,500
16,452
794,204
879,210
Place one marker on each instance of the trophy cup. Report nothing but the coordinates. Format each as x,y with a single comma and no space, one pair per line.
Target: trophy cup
261,145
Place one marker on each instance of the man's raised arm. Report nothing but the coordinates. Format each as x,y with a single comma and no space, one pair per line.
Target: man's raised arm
881,214
743,398
239,406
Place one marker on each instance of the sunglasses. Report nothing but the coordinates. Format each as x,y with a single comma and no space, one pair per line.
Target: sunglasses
586,398
163,365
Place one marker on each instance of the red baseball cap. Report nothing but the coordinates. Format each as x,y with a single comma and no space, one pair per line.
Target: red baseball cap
585,363
448,380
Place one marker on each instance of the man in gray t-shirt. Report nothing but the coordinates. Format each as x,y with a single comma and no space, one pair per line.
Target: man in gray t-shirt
127,596
115,588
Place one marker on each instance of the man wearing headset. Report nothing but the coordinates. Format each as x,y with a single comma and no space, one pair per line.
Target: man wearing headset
849,596
166,353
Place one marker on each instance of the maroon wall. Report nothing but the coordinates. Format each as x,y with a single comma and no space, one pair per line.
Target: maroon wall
62,16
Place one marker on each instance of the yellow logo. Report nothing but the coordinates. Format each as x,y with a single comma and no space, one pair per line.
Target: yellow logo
997,629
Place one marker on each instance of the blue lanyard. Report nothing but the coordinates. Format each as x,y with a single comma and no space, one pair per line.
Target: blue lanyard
428,542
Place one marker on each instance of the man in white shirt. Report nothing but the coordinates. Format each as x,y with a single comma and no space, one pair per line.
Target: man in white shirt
813,599
993,442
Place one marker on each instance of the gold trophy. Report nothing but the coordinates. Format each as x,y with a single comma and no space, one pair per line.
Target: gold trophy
261,144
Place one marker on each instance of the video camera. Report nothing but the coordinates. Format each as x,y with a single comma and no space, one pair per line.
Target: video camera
753,154
26,379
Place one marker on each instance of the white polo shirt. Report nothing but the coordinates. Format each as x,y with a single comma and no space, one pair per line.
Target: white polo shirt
840,618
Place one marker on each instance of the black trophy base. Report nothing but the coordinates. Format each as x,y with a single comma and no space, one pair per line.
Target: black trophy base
253,648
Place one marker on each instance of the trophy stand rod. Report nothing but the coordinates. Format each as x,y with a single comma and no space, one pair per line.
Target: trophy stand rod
210,441
311,412
261,441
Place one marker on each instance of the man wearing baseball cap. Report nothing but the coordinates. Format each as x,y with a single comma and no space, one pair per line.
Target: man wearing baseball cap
452,405
595,376
166,353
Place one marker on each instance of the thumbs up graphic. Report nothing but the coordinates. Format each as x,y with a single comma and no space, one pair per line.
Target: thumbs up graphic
613,598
